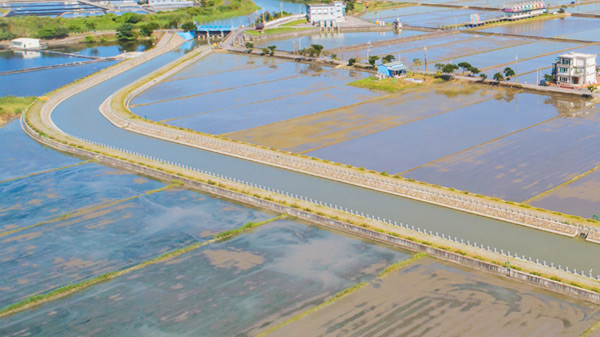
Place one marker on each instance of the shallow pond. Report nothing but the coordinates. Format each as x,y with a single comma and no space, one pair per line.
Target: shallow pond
70,250
522,165
237,287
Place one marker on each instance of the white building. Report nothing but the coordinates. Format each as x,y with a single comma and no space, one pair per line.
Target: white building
522,10
326,14
25,44
575,69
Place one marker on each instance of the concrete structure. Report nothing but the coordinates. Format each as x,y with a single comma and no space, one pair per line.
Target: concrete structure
326,15
25,44
392,69
521,10
575,69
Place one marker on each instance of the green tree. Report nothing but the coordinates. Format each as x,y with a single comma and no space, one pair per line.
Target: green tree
351,61
372,60
508,72
188,26
439,66
388,58
592,88
498,77
549,78
90,25
317,48
148,29
130,17
417,62
449,68
249,47
474,71
272,50
125,32
483,77
464,66
264,51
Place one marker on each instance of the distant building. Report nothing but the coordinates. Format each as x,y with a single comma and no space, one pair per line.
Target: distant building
522,10
170,3
326,14
25,44
392,69
575,69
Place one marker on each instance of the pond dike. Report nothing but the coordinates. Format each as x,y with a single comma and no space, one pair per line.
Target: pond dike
442,254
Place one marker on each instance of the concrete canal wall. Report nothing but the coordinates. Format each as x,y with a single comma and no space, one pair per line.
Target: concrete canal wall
323,220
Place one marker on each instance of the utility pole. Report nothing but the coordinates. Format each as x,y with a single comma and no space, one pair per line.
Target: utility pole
425,52
516,65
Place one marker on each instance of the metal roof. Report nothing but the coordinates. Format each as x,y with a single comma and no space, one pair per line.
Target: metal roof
394,65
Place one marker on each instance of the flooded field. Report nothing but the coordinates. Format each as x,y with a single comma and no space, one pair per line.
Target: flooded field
522,165
239,286
433,19
581,197
28,201
417,143
440,297
553,28
248,95
333,40
38,158
111,238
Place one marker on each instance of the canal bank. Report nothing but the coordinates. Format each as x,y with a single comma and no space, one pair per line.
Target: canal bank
77,115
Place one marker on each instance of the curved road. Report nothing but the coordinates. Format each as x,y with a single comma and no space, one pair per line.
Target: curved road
79,116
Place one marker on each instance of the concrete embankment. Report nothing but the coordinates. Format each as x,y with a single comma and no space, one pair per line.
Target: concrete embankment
499,210
257,201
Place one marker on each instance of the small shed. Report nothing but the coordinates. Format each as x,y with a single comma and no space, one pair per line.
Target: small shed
25,44
392,69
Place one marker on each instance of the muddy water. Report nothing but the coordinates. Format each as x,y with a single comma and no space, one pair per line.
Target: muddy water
446,301
239,286
113,238
581,197
417,143
522,165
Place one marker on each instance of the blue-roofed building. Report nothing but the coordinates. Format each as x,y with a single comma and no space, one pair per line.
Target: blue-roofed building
392,69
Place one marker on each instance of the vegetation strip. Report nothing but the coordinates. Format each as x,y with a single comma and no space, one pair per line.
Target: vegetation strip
38,299
46,171
389,269
88,209
591,329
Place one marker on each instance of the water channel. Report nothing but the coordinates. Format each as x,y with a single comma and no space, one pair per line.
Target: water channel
79,116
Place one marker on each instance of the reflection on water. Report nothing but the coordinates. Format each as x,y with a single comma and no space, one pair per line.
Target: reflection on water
240,286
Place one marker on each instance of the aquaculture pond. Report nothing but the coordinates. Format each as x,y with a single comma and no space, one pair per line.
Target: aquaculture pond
25,156
440,296
333,40
235,287
249,95
110,238
438,18
525,164
410,145
552,28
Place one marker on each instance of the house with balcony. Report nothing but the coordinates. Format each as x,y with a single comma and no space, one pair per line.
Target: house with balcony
326,15
575,69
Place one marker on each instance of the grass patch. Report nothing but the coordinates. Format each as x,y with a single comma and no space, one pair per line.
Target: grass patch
400,264
275,31
12,107
293,23
332,299
387,84
381,5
